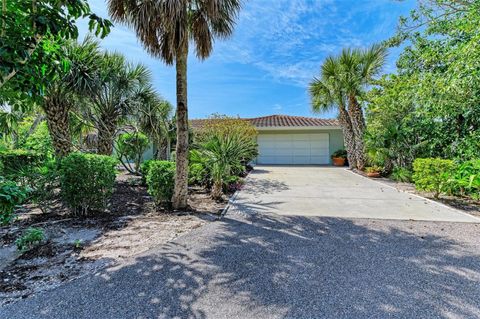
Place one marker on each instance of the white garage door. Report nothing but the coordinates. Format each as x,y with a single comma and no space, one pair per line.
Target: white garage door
293,149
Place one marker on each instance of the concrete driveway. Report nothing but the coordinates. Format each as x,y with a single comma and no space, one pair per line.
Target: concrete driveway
336,192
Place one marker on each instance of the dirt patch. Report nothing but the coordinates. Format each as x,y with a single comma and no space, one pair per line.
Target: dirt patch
464,204
75,246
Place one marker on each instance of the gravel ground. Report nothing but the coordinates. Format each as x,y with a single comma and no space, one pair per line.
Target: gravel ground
251,265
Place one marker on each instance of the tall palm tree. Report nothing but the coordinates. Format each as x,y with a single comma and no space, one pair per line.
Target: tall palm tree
328,94
358,68
119,87
165,28
74,77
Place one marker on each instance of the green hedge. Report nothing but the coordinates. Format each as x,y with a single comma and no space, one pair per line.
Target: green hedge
11,195
160,181
87,181
433,175
14,161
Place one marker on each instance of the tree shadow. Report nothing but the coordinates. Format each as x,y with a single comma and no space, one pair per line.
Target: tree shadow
265,265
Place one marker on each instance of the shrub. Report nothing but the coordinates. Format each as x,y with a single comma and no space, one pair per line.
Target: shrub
467,178
160,181
14,161
42,182
145,168
197,174
433,175
130,147
401,174
31,237
11,195
87,181
374,169
340,154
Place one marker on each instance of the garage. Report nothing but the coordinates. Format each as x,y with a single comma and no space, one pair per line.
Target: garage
293,148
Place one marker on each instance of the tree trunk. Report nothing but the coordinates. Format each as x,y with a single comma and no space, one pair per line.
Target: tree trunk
106,133
358,125
217,190
57,114
348,137
179,199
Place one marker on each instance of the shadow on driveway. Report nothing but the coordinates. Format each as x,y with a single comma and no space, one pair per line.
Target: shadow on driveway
269,266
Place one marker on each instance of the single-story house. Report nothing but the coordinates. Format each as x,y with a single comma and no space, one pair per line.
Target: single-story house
289,140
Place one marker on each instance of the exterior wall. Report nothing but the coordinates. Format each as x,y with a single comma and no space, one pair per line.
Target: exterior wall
335,136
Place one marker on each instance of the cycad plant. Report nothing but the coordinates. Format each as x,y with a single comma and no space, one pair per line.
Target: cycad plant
166,28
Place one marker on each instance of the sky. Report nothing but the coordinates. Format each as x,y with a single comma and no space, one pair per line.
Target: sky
277,48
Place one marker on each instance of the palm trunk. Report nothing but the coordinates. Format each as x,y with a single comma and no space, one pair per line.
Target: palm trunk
348,137
217,191
106,132
358,125
179,199
58,125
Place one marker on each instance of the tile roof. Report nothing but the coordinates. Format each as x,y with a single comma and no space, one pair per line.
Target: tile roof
277,121
291,121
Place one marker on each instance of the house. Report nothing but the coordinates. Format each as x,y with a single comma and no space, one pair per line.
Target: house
288,140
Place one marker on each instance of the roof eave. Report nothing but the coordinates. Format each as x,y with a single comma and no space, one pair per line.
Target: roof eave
298,128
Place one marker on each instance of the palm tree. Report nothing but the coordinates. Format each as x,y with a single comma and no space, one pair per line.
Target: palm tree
119,88
328,94
74,77
165,28
153,117
358,68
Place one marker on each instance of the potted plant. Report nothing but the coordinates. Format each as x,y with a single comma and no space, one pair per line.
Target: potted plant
339,157
374,171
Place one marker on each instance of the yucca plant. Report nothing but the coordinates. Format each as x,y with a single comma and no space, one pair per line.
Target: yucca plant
223,155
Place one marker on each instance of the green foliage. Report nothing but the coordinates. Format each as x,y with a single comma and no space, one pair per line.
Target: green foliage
42,182
340,153
87,181
11,195
160,181
130,148
401,174
433,175
197,174
35,139
431,107
225,145
374,169
14,161
467,178
30,238
145,168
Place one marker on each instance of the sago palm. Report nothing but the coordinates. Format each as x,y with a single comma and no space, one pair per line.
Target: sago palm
328,94
166,28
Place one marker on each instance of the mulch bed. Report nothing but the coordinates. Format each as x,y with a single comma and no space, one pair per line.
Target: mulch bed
76,246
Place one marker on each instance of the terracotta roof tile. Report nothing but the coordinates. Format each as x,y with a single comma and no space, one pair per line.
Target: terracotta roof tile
277,121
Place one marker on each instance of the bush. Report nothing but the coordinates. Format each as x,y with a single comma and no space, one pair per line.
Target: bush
11,195
401,174
87,181
433,175
32,237
42,182
197,174
467,178
131,146
14,161
145,168
161,180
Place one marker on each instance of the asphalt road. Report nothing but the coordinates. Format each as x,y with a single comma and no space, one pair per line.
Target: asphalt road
262,265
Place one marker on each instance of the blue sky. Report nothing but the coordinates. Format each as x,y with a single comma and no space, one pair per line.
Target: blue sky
277,47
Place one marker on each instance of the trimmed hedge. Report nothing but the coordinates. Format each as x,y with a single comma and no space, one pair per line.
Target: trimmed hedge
87,181
434,175
160,181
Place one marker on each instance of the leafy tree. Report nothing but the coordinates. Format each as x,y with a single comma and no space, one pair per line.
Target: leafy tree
165,28
24,26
